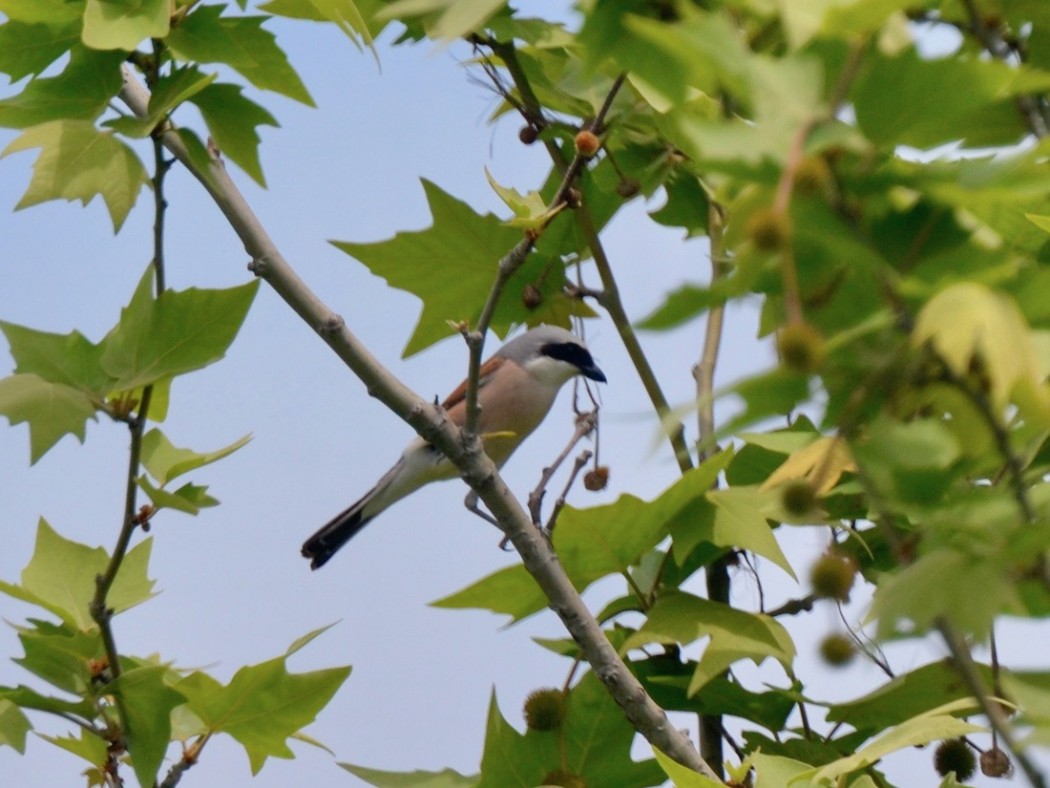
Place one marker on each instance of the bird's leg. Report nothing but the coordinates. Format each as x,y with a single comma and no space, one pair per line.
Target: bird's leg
471,502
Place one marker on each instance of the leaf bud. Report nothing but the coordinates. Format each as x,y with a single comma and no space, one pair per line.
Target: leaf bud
531,296
628,187
528,134
996,763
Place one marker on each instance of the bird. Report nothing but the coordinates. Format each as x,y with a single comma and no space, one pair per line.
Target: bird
516,389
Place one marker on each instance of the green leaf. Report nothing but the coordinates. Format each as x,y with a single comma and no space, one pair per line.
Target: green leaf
679,618
147,705
446,19
911,100
683,776
737,518
189,498
347,15
51,409
124,24
968,591
447,778
13,726
916,692
61,578
262,705
775,771
594,743
69,359
56,13
27,698
80,92
932,726
530,210
970,324
774,393
77,162
239,42
181,331
93,749
166,462
451,266
232,120
59,654
591,544
29,48
682,305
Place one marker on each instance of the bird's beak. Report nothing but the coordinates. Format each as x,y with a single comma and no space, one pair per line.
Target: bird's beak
591,371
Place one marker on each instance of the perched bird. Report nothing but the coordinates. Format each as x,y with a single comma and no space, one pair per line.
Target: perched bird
516,389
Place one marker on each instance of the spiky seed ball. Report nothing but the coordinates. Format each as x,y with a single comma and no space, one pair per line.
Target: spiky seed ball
531,297
528,134
801,347
832,576
812,175
627,188
587,143
798,497
545,709
955,755
768,230
837,650
564,779
996,763
597,478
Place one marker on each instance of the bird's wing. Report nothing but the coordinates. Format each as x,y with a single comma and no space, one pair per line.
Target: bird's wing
459,395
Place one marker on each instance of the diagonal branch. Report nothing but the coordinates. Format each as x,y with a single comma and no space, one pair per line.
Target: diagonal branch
429,421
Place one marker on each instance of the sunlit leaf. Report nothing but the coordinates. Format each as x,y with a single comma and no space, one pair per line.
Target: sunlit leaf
77,162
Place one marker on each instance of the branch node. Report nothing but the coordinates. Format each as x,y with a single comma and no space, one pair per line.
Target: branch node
332,324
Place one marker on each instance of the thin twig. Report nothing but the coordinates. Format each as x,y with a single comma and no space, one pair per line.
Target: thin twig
585,424
559,502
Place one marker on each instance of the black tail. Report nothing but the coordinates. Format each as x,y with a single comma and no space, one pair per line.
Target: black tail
334,534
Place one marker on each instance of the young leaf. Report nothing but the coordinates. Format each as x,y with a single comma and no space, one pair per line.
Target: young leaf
77,162
262,705
189,498
969,324
451,266
59,654
93,749
147,703
181,331
683,776
51,409
447,778
109,25
166,462
932,726
445,19
61,578
232,120
27,48
13,726
168,93
70,359
345,14
735,634
80,92
239,42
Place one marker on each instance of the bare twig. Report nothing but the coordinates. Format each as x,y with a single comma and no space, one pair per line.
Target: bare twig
585,424
430,422
559,503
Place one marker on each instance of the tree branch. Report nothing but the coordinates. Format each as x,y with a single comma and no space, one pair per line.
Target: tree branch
429,421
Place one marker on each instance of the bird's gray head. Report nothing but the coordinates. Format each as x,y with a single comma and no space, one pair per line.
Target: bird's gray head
560,351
